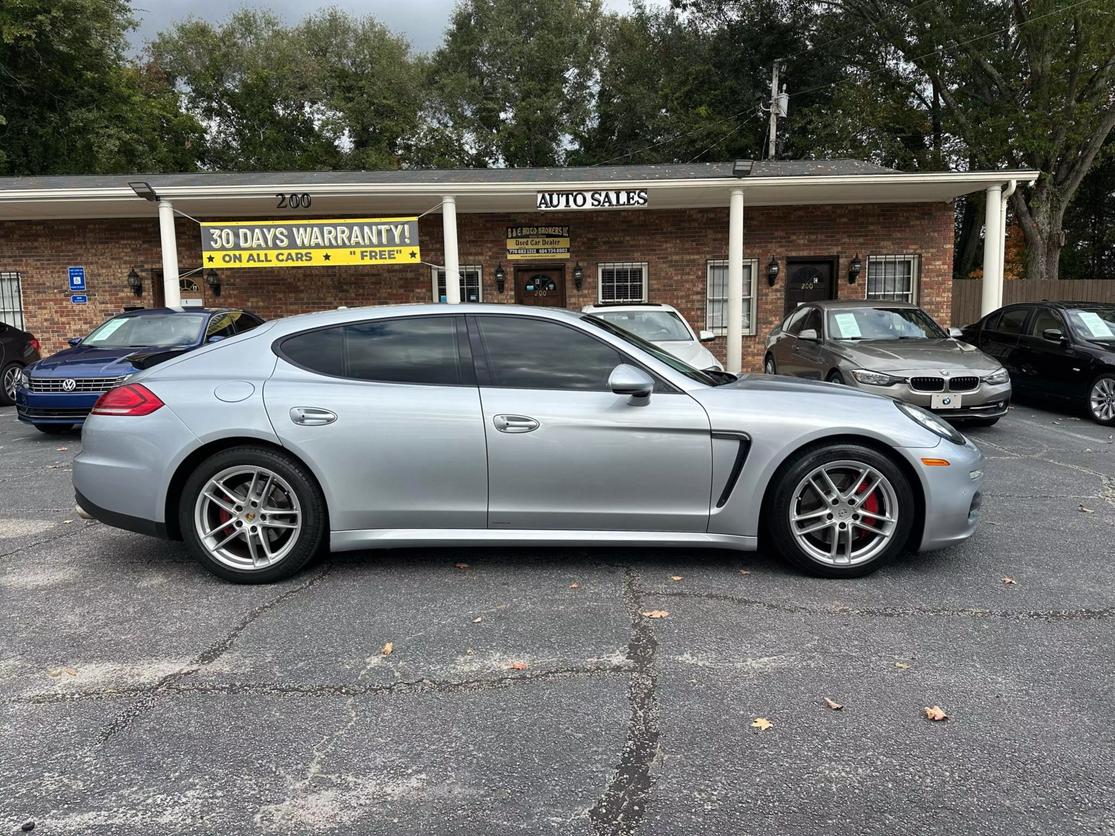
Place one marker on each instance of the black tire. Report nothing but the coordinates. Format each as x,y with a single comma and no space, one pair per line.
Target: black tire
769,366
835,377
6,379
778,524
54,429
1104,380
308,542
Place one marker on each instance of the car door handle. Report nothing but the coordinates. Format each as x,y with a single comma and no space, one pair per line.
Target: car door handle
514,423
311,416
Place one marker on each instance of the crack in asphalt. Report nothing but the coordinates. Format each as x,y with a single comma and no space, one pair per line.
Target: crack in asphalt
1085,614
71,531
620,808
122,720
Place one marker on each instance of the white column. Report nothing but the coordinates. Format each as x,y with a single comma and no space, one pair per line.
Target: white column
1004,200
452,264
169,244
992,244
735,282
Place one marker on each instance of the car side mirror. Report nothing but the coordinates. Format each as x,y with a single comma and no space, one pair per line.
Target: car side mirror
631,380
956,333
216,338
74,342
706,336
1054,335
810,335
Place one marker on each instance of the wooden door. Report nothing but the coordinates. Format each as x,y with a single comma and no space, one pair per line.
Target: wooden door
540,286
809,280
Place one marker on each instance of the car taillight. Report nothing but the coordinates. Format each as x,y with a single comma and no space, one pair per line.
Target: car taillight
35,344
132,399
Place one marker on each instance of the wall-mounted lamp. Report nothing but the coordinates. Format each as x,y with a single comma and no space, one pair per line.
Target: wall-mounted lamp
854,269
501,279
742,168
213,280
578,276
143,189
135,282
772,271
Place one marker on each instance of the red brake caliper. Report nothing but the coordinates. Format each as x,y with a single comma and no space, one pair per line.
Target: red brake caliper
871,505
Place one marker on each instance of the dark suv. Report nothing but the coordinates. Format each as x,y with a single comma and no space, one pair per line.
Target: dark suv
18,349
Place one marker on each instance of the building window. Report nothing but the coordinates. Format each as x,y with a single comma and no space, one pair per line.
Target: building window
470,283
716,296
892,278
11,299
623,283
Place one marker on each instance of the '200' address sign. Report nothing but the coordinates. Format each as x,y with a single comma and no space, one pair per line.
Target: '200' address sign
594,199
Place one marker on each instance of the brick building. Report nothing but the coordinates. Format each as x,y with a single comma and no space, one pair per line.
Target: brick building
798,229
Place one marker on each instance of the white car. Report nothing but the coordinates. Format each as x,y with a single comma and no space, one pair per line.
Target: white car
661,325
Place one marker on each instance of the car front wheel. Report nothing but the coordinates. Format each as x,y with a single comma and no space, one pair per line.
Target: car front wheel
1101,400
768,366
841,511
9,380
252,515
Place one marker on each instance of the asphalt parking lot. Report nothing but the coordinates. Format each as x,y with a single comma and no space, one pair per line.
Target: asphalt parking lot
526,692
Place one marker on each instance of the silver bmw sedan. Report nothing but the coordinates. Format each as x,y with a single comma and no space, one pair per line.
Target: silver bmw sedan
498,425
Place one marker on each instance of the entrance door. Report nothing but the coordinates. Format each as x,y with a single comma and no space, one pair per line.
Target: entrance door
809,280
540,286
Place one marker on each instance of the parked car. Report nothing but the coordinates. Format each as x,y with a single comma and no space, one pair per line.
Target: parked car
893,349
663,325
18,349
501,425
57,393
1059,350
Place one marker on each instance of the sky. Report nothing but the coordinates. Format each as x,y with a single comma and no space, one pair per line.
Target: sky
422,22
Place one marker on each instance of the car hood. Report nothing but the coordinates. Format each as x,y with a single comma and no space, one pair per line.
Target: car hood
692,352
89,361
914,355
774,383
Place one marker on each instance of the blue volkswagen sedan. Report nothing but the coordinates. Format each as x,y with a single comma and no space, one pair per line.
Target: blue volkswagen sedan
57,393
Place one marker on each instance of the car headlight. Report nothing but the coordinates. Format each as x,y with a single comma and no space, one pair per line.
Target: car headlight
875,378
931,422
997,377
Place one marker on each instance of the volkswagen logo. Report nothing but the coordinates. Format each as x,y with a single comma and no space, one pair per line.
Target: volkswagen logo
69,384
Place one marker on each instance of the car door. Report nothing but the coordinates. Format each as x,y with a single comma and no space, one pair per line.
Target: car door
389,413
805,358
1051,367
564,452
999,336
783,348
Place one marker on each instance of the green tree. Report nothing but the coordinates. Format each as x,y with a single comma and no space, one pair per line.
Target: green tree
71,104
512,84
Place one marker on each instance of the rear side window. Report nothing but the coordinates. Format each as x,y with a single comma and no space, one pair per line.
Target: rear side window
416,350
1011,321
525,353
247,322
793,322
1044,319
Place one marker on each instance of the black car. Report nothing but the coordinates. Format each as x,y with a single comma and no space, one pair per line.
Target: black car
1062,350
18,349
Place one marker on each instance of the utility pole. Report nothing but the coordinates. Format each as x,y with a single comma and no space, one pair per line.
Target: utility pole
779,106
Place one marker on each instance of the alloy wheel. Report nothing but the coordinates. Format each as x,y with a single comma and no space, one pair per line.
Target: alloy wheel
768,366
1102,399
248,517
843,513
11,380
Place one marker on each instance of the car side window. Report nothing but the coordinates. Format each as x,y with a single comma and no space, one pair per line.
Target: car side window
1013,320
793,323
525,353
812,321
422,350
247,322
1044,319
222,325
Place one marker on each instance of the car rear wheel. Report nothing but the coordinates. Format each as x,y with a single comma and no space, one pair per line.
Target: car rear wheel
768,366
835,377
252,515
9,379
1101,400
841,511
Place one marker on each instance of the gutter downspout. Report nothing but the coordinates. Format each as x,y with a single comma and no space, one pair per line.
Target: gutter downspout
1012,186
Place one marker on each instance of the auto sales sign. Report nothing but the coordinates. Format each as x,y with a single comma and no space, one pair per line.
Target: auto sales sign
314,243
596,199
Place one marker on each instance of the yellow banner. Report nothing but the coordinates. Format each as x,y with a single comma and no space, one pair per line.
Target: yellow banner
537,242
312,243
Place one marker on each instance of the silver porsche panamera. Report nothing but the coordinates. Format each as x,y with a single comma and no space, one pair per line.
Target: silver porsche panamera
423,425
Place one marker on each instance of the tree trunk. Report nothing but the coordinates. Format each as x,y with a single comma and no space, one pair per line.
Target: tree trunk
1041,219
968,241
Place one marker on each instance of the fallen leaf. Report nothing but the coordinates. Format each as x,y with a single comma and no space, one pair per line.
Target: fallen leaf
761,723
460,565
1084,510
935,713
55,671
62,449
574,585
655,613
1007,579
676,577
70,671
518,666
478,619
389,648
901,665
66,522
833,704
744,571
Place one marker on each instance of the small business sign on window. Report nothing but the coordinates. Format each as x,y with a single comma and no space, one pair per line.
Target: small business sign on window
537,242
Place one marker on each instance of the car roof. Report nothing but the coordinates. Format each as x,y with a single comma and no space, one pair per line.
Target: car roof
829,304
152,311
341,316
604,307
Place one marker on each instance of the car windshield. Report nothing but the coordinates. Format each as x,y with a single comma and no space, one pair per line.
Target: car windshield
1093,323
148,331
656,326
883,324
656,352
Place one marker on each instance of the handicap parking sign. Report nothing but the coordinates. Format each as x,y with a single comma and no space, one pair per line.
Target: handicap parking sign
77,279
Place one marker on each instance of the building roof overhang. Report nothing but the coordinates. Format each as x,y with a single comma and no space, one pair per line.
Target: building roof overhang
492,190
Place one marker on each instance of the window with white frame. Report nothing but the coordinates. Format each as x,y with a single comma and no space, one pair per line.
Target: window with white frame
623,282
892,278
470,283
11,299
716,296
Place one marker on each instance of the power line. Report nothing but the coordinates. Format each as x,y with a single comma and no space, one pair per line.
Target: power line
736,129
670,139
